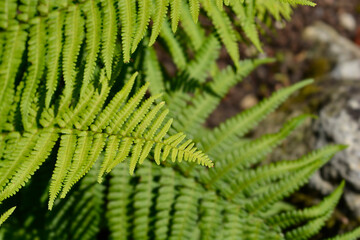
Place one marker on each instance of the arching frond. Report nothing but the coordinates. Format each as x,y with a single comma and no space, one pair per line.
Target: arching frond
109,34
15,40
295,217
355,234
119,199
93,35
242,123
122,127
54,47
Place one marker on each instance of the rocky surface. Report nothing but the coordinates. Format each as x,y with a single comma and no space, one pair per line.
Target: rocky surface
339,122
335,99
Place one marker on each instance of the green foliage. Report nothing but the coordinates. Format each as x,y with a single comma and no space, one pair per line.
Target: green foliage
83,89
7,214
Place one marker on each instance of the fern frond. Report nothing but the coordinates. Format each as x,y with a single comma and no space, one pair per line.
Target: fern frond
109,34
164,201
153,72
193,31
158,19
7,12
106,115
282,189
309,229
74,30
224,28
36,58
232,222
45,142
79,160
302,2
126,129
290,218
191,117
194,9
175,14
204,59
242,123
27,9
250,180
54,47
246,15
270,194
6,215
127,18
15,155
93,28
353,235
142,203
118,201
142,22
186,212
211,219
80,215
174,46
250,153
66,151
15,40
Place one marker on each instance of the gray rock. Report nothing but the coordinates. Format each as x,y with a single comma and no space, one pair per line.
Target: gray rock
330,44
339,123
348,70
347,21
353,201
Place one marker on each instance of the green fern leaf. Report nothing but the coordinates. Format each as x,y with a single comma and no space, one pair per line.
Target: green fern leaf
192,30
174,46
7,13
251,152
153,72
66,151
127,18
6,215
14,47
164,201
185,215
225,30
54,47
93,27
158,19
118,200
205,57
175,13
45,143
142,22
27,10
353,235
295,217
109,34
242,123
302,2
142,203
35,71
74,26
194,9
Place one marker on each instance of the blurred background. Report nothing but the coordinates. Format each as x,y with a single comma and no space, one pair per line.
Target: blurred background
321,43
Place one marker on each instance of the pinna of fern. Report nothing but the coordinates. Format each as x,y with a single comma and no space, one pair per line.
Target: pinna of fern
95,124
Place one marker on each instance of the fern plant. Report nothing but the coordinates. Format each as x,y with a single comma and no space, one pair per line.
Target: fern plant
82,90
